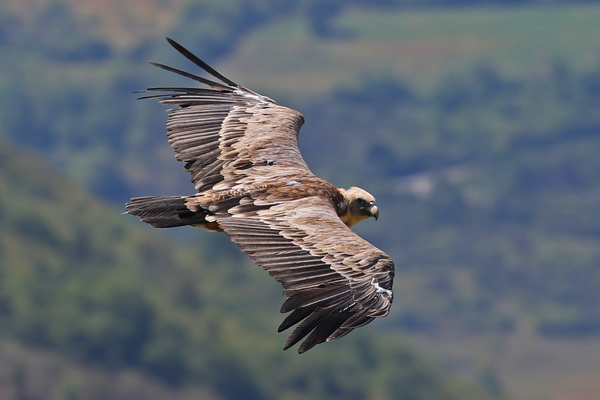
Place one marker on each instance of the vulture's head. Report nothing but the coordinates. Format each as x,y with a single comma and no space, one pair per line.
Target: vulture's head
360,205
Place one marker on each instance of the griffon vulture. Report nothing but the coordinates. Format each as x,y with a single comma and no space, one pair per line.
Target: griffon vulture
241,149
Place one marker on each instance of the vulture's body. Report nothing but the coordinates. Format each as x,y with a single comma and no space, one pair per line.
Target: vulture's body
241,149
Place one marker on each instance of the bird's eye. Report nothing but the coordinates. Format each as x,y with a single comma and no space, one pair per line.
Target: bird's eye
361,201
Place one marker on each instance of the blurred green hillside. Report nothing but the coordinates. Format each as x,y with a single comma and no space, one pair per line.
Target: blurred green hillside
94,307
476,127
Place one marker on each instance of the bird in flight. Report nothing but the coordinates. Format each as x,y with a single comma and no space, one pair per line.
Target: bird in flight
241,149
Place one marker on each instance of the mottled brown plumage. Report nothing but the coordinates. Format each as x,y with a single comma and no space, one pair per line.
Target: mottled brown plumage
241,149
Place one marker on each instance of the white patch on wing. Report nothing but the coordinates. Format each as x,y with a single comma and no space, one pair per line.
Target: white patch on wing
247,93
379,289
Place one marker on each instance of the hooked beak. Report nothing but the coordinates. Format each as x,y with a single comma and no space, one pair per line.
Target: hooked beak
374,210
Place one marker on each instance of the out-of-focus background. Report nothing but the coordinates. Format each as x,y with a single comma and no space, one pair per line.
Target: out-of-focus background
475,123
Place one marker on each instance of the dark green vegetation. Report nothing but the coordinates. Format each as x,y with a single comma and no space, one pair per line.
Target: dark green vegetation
484,164
79,279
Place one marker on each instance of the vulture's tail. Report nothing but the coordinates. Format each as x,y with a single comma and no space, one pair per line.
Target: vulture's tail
165,211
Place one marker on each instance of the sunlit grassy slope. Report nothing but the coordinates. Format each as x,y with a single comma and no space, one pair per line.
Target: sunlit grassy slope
418,46
122,24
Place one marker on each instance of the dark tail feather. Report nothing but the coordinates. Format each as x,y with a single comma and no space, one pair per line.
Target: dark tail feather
164,211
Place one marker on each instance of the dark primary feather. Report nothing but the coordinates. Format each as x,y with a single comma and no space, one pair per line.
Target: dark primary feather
241,150
210,83
193,58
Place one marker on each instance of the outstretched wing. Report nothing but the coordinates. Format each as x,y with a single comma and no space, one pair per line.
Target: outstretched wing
222,133
334,280
244,147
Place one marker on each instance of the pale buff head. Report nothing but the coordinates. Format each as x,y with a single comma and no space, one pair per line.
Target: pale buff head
361,205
